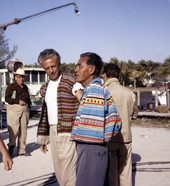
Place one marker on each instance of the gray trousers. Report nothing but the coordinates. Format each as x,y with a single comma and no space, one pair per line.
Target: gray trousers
91,164
17,121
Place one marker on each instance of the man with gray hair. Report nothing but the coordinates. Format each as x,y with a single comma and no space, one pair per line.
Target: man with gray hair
59,108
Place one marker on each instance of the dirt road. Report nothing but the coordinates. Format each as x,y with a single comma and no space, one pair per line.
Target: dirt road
151,160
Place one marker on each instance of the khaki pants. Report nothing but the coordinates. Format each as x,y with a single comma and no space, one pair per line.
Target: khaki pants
64,157
120,169
17,122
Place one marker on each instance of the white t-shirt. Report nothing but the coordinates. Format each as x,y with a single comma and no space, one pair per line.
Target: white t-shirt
51,100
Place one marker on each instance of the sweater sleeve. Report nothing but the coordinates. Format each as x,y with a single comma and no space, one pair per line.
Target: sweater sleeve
10,96
113,123
43,125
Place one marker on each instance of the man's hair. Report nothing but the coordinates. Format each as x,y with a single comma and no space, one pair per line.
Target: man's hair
94,59
47,54
111,70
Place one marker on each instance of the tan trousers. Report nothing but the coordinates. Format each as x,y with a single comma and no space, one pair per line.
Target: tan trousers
17,122
64,157
120,170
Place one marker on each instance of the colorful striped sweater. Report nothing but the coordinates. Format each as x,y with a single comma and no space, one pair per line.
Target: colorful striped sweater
97,117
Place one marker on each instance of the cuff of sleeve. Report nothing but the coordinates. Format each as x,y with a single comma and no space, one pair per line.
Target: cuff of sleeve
43,140
17,101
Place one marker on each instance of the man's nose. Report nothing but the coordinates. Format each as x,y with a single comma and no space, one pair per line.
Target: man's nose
51,69
75,69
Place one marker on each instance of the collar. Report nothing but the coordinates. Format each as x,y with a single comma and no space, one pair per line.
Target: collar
16,84
96,80
56,80
111,80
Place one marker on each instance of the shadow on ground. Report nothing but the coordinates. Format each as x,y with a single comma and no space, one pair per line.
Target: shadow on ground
135,158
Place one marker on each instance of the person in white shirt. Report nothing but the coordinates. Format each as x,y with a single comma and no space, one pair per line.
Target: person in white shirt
59,108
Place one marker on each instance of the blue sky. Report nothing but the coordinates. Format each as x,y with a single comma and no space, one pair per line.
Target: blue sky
125,29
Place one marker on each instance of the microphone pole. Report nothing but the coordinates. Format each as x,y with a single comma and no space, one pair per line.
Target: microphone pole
18,20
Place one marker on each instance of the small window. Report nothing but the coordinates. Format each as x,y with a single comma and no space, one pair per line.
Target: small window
27,78
42,76
35,76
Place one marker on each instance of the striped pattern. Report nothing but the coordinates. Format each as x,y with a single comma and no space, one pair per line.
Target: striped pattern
97,117
67,106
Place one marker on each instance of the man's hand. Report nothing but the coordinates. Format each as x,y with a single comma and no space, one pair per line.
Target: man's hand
43,148
21,102
6,158
115,133
7,161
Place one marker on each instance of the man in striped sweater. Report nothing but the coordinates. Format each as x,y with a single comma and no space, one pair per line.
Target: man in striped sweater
59,107
96,122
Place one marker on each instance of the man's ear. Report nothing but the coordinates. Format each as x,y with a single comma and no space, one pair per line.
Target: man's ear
92,69
104,75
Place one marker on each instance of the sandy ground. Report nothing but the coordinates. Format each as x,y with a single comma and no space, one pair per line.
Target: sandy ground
151,160
151,155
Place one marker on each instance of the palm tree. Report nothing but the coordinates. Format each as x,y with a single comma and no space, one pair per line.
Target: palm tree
147,70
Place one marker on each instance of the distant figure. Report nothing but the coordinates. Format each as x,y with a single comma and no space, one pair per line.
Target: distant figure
120,146
59,108
18,99
162,95
5,156
13,65
96,121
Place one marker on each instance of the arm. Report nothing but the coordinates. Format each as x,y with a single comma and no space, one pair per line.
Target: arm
78,94
10,96
5,156
113,123
43,129
77,90
29,99
135,111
